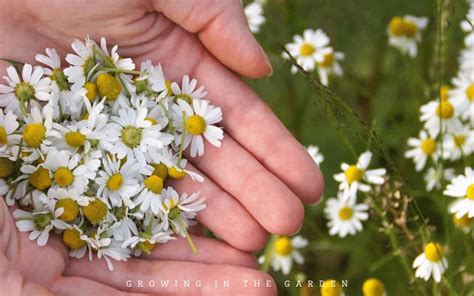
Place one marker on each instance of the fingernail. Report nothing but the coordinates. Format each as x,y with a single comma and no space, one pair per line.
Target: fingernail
267,61
297,231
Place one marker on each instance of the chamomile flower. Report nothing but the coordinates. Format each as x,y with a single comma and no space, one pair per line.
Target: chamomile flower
197,122
254,13
152,78
405,33
464,223
373,287
19,94
436,175
81,63
330,66
459,143
173,166
8,125
345,216
316,155
146,241
75,136
53,61
331,287
309,49
188,91
285,251
72,239
122,64
435,112
357,177
463,94
462,188
36,131
422,148
431,262
149,194
179,211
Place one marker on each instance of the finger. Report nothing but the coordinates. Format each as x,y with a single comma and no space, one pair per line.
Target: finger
77,286
224,215
223,29
178,278
178,250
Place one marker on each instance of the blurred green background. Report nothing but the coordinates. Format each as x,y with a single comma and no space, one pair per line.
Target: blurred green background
383,87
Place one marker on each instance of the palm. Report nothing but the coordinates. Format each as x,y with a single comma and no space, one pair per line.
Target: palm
256,183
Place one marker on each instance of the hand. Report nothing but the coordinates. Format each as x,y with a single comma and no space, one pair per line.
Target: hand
26,269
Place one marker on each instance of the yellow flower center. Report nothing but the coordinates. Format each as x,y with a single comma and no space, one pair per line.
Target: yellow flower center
7,167
444,92
95,211
282,246
115,182
428,146
195,125
434,252
464,221
396,26
161,170
328,61
71,209
331,288
459,140
24,91
34,134
184,97
409,28
176,173
108,86
152,120
470,92
470,192
373,287
307,49
146,246
75,139
72,239
345,213
131,136
63,177
353,174
154,184
91,90
445,110
3,136
40,179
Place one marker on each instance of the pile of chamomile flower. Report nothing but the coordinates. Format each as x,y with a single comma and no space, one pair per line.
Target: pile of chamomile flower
86,151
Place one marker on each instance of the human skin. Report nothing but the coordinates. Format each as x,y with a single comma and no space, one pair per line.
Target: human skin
256,183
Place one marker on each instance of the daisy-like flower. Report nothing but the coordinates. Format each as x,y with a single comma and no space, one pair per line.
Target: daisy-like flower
316,155
36,132
198,121
20,93
8,125
357,178
464,223
459,143
69,200
53,61
68,172
463,94
331,287
435,175
152,78
309,49
330,66
146,241
131,135
81,63
462,188
285,250
254,13
124,65
373,287
72,239
431,262
41,222
436,111
180,211
117,182
188,91
345,216
149,196
422,148
405,32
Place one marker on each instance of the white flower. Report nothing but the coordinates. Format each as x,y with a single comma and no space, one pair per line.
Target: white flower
149,194
462,94
435,111
115,61
345,215
431,262
60,193
309,49
145,241
462,188
188,91
357,177
153,76
330,66
179,211
285,251
435,175
459,143
254,13
35,133
316,155
81,63
198,121
19,93
8,125
422,148
405,32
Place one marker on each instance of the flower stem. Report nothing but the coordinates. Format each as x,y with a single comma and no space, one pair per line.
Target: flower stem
188,237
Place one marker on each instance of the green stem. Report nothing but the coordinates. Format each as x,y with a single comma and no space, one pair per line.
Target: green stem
181,146
267,254
188,237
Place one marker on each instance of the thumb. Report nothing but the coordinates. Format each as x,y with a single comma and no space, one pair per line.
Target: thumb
222,28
